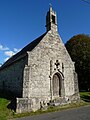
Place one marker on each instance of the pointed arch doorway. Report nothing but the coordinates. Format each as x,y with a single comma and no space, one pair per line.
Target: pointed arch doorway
56,85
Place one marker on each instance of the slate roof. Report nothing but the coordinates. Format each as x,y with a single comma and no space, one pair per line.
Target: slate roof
23,52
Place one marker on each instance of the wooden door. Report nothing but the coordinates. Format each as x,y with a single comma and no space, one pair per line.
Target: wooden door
56,85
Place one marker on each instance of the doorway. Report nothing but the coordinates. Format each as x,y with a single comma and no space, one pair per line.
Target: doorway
56,85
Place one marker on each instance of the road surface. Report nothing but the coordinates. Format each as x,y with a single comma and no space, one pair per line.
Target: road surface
82,113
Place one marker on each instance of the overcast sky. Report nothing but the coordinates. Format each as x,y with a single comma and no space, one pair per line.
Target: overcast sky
21,21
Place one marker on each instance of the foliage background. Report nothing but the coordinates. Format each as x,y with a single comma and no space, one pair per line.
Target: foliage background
79,49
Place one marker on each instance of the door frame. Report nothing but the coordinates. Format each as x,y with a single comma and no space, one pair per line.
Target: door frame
62,93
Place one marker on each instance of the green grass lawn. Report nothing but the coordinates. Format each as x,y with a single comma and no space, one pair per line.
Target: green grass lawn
85,96
7,114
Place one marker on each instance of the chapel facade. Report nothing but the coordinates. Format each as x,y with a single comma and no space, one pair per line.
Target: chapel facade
42,72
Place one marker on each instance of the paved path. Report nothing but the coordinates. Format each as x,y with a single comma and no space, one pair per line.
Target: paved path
82,113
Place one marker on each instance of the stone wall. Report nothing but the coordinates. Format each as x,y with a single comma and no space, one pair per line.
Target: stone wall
50,48
11,77
27,105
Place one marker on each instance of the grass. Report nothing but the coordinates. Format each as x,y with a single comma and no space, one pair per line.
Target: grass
85,96
7,114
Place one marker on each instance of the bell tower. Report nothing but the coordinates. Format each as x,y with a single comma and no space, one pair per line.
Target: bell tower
51,20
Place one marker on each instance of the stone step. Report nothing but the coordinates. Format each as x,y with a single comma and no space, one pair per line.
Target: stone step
58,101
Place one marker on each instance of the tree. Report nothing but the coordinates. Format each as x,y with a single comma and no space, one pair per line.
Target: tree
79,49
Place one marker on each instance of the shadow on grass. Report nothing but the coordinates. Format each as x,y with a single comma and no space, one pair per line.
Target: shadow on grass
85,96
9,96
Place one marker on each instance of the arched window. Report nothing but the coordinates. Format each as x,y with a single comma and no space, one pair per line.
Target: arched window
53,19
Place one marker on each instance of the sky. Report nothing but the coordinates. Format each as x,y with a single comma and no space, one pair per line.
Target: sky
22,21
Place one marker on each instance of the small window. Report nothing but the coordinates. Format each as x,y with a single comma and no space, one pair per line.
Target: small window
53,19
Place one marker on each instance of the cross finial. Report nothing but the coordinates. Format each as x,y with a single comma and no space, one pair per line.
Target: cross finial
50,5
57,63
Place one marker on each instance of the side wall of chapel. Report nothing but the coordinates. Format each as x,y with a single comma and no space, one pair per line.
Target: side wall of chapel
11,77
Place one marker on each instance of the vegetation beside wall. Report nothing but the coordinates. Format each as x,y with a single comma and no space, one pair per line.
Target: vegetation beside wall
85,96
79,49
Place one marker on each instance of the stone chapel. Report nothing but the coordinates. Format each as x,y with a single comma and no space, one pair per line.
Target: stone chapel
42,72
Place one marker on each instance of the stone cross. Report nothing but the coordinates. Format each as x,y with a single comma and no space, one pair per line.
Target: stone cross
57,63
